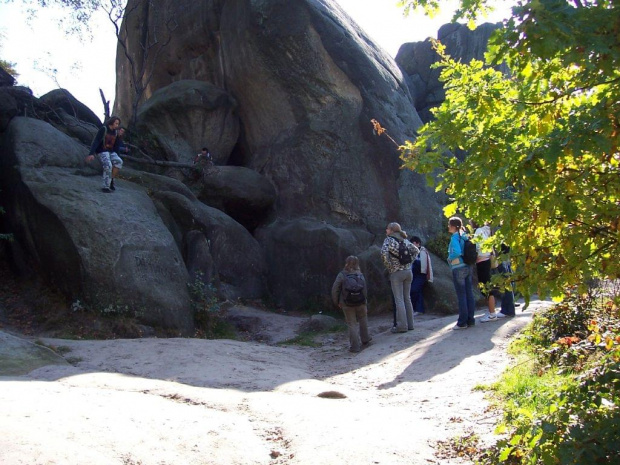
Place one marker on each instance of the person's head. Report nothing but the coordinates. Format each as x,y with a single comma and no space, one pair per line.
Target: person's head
352,263
416,241
394,228
205,150
113,122
474,224
455,224
121,131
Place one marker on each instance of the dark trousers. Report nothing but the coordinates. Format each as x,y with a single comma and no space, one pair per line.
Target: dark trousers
417,286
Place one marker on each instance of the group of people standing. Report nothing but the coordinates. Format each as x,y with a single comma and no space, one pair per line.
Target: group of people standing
406,262
409,268
486,265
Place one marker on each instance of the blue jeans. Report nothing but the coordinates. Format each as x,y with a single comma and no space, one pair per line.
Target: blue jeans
417,298
401,287
465,295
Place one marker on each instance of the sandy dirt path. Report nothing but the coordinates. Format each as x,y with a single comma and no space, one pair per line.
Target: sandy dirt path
190,401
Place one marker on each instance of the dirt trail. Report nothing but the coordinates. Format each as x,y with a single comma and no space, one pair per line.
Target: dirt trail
190,401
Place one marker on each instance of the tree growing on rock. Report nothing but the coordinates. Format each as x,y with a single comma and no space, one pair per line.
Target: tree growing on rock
543,161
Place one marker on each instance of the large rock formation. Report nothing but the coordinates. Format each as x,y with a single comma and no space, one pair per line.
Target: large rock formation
307,82
120,252
182,116
416,59
283,94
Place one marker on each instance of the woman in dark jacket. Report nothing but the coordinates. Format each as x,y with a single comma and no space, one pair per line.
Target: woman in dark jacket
353,303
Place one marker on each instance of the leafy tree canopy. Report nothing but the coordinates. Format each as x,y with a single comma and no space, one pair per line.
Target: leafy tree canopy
542,161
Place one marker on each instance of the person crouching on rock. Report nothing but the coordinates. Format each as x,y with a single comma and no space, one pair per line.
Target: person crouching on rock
349,293
106,145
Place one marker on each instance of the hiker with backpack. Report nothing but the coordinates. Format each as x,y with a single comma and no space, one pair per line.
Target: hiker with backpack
106,145
461,257
485,262
349,293
398,255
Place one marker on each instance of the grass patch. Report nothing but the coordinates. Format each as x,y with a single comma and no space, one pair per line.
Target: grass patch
561,400
305,339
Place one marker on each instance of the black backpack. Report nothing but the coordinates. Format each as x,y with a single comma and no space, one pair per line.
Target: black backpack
470,252
404,253
353,289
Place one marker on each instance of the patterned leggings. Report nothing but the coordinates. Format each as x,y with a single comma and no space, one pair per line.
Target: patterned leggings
109,159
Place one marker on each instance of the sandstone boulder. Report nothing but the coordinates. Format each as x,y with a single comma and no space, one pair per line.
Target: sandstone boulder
110,250
187,115
62,99
416,59
303,258
238,258
240,192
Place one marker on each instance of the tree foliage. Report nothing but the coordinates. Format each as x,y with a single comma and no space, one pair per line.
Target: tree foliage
542,158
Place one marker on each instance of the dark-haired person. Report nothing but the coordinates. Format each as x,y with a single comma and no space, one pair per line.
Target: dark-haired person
461,274
203,156
106,146
356,314
422,272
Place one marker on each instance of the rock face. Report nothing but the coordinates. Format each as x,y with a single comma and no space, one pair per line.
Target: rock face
239,192
307,81
416,58
120,252
187,115
282,93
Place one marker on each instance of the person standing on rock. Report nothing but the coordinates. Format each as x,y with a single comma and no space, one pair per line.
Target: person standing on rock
422,272
106,146
461,274
398,254
349,293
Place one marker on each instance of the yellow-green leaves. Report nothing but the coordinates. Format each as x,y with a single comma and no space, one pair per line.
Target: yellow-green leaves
542,160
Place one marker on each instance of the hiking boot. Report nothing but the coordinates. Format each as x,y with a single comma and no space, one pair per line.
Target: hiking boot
106,190
112,188
488,317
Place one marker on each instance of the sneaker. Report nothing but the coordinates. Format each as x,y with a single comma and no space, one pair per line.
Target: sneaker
112,188
500,315
418,313
457,327
488,317
106,190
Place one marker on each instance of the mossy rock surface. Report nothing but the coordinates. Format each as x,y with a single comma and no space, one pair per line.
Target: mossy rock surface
19,356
